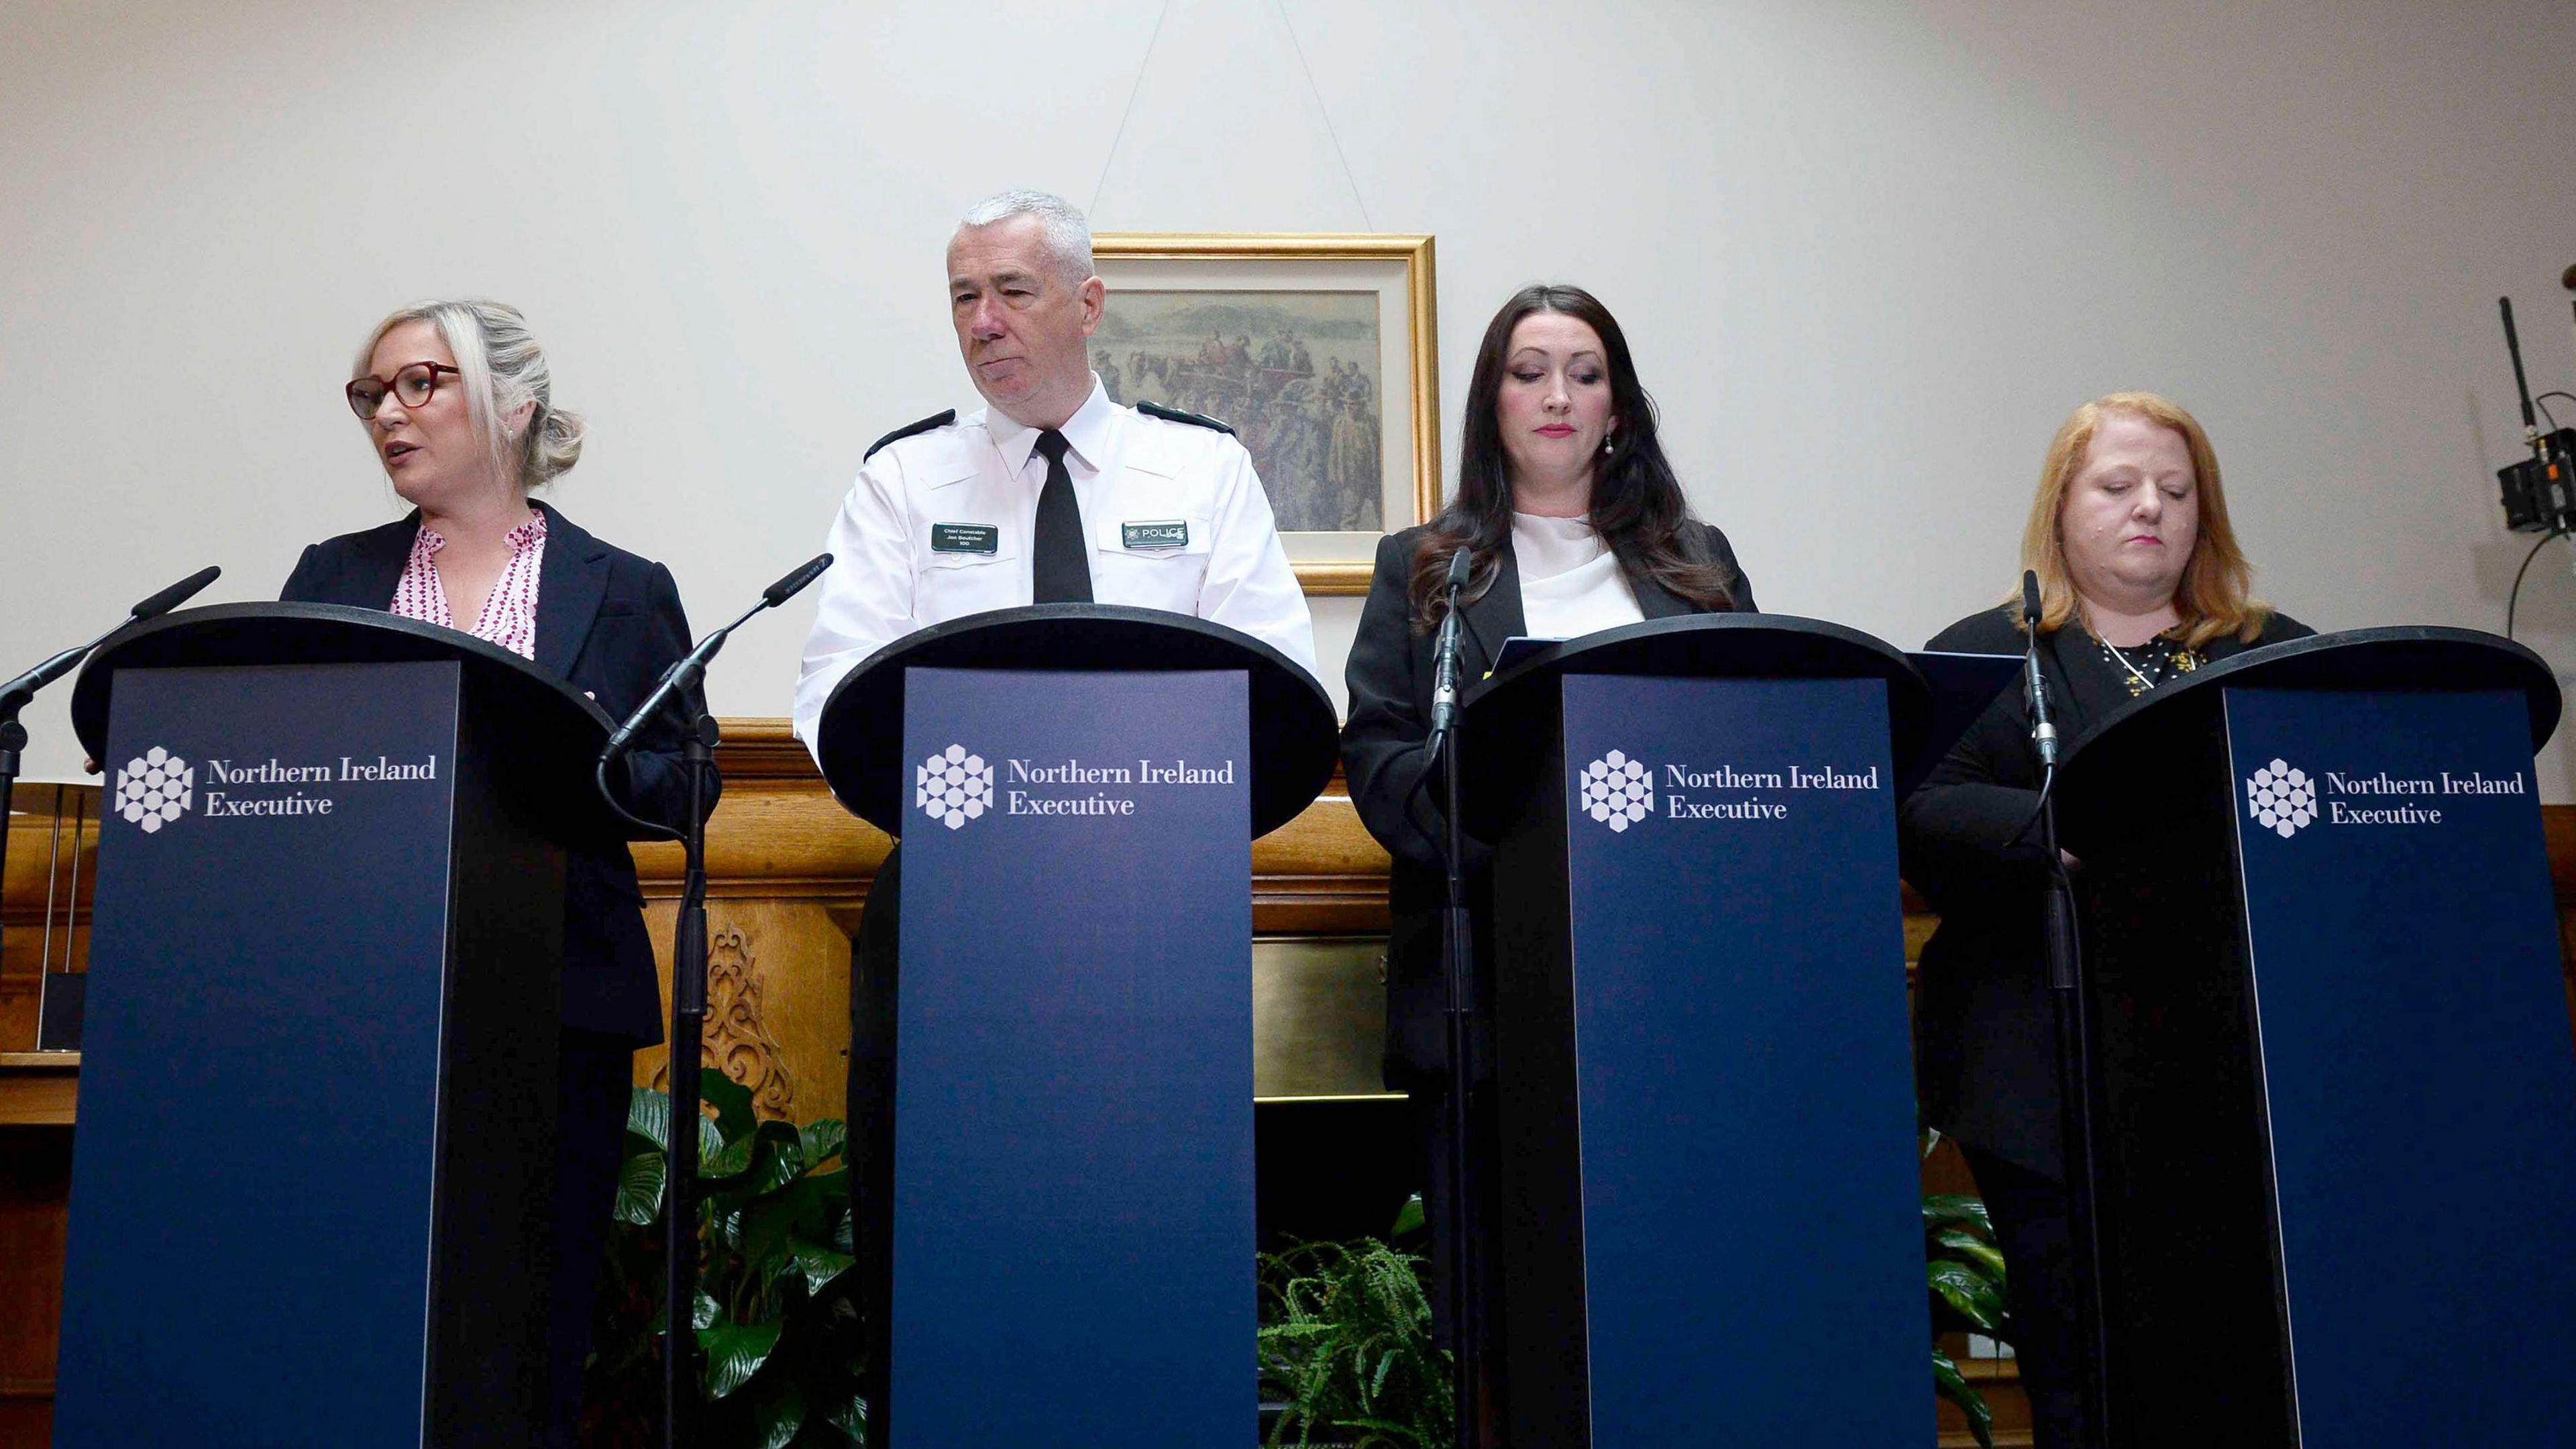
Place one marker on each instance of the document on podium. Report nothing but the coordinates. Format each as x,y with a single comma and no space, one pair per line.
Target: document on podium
1517,648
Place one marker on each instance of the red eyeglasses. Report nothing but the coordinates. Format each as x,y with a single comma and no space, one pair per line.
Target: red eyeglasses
412,387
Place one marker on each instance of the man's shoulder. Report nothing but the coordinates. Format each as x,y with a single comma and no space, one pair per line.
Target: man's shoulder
929,428
1160,413
941,448
1167,439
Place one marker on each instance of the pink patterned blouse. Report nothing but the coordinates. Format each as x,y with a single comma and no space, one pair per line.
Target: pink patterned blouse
509,615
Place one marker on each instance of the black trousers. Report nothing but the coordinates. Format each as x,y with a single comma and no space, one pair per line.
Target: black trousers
592,1089
875,959
2032,1226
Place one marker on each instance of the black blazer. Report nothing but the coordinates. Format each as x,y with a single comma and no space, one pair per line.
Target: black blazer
1384,754
609,623
1985,1051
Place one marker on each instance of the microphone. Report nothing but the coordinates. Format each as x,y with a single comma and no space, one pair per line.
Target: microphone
175,595
1444,677
680,676
794,584
23,688
2043,730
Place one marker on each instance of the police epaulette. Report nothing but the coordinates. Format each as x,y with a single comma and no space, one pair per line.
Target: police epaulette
935,420
1175,415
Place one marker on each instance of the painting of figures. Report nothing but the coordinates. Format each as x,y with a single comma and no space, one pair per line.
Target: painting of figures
1296,374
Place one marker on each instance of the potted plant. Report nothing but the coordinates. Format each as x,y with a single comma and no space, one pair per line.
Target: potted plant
776,1320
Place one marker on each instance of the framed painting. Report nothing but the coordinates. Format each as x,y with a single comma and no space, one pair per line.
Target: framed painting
1318,350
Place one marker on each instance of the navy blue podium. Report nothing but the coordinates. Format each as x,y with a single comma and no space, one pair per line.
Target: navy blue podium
1076,787
1706,1206
314,1168
2335,1082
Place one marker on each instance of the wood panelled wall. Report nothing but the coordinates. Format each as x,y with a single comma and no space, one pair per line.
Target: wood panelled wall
789,874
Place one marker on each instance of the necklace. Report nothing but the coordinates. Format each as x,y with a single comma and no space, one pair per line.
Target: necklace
2156,661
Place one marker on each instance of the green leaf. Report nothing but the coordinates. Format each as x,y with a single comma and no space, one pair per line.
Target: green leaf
735,1352
731,1101
639,1189
779,1156
1966,1292
1408,1219
721,1159
1956,1210
824,1139
1975,1249
850,1417
768,1222
1950,1384
648,1115
819,1264
778,1416
707,1312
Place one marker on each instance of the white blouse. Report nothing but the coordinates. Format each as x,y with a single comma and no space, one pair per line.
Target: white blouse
1571,583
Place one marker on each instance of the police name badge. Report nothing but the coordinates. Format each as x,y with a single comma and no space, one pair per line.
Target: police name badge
1162,533
983,538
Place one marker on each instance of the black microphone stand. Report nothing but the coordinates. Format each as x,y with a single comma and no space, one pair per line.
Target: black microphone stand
19,692
1457,941
2065,964
13,739
699,738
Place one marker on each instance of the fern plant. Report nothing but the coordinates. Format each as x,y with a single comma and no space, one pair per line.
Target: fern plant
1345,1341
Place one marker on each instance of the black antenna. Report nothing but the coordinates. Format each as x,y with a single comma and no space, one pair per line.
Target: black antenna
2513,344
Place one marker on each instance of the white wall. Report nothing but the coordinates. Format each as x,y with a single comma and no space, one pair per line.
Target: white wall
1868,252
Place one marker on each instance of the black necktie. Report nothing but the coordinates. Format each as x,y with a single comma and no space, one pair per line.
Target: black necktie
1059,563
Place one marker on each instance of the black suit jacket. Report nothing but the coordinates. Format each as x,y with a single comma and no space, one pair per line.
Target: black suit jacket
1985,1050
1384,753
609,623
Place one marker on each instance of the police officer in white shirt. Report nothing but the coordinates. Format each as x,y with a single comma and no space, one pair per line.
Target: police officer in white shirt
1148,506
1050,494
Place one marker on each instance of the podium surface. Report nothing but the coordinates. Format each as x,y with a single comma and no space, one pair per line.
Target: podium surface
556,731
1294,738
314,1170
1077,788
1704,1083
2336,1085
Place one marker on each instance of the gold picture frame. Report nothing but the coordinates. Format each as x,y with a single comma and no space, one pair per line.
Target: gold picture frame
1352,445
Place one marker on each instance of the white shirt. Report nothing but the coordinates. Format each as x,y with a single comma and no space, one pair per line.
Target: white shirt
1571,583
897,565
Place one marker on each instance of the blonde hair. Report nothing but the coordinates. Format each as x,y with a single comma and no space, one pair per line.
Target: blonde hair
2213,596
501,369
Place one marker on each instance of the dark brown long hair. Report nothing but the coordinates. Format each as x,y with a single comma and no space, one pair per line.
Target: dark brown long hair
1637,504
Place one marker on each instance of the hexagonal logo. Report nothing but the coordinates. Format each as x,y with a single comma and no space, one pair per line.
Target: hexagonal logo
155,788
2281,798
953,787
1617,791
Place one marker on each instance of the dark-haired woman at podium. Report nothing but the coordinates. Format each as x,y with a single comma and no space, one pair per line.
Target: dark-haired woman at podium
2141,583
458,405
1574,522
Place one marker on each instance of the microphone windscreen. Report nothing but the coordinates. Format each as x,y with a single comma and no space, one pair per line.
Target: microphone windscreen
2567,278
794,584
1461,564
177,594
2030,597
